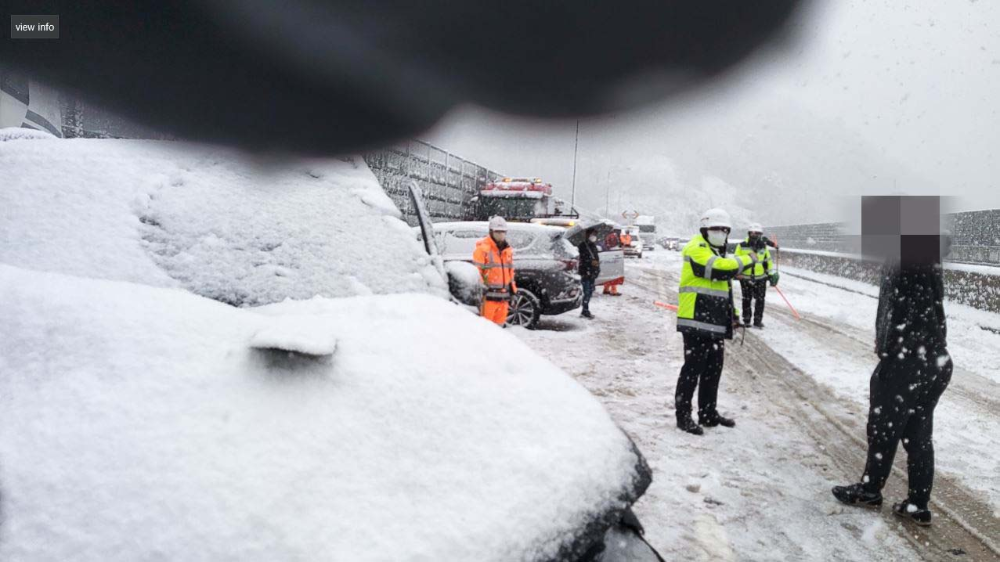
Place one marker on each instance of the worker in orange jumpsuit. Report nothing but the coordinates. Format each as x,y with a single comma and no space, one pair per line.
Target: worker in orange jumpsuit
612,241
495,259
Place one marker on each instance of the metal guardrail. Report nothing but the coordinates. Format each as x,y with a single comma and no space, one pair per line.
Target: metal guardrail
974,288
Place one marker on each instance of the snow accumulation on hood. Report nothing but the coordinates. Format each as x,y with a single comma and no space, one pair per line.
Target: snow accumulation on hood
170,214
138,423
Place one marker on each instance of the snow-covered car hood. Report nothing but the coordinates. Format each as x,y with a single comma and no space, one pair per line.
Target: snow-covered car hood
136,423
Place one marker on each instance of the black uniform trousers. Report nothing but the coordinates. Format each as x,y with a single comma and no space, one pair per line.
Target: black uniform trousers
703,359
753,290
904,393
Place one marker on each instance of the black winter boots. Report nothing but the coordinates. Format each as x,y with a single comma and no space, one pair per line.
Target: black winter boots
910,511
855,494
717,420
689,426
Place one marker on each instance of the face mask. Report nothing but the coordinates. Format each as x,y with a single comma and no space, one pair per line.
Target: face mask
717,238
592,239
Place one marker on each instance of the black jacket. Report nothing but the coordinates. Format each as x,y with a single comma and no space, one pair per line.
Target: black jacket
590,261
910,311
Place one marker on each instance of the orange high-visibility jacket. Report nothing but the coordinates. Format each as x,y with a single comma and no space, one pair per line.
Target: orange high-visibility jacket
496,268
626,239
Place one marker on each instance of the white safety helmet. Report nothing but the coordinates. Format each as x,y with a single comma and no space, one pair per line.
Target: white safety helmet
755,227
498,224
716,218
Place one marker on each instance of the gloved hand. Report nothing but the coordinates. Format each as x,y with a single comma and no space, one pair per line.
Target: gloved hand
736,323
774,279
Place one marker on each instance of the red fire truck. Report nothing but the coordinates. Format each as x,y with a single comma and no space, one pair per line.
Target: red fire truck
516,199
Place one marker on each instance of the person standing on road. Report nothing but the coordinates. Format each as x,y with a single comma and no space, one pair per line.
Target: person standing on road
913,371
589,268
754,287
626,239
706,317
495,259
611,241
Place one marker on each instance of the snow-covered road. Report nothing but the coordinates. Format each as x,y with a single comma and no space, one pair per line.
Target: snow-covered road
799,393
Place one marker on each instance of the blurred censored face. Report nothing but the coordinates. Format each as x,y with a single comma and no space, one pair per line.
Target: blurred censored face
499,235
901,229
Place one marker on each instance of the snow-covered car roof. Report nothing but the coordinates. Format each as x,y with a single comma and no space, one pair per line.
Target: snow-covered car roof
528,240
484,226
207,220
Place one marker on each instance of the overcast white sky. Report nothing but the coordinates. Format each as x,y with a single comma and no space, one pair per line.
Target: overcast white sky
871,97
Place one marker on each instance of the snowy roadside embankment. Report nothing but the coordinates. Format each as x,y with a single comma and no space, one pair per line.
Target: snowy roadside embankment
973,334
206,219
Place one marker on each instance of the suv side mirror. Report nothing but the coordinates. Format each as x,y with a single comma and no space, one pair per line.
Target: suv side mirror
464,282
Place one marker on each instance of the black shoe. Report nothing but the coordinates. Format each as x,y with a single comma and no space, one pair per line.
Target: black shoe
689,426
758,325
586,314
910,511
855,494
717,420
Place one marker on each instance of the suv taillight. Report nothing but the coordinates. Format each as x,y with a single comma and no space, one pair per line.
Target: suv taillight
570,265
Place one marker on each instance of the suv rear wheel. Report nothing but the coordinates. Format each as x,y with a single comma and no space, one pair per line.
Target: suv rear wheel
525,309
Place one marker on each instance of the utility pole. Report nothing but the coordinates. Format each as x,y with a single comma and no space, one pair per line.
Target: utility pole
576,146
607,194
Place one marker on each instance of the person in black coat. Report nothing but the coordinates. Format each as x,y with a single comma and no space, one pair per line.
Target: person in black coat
589,268
913,371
